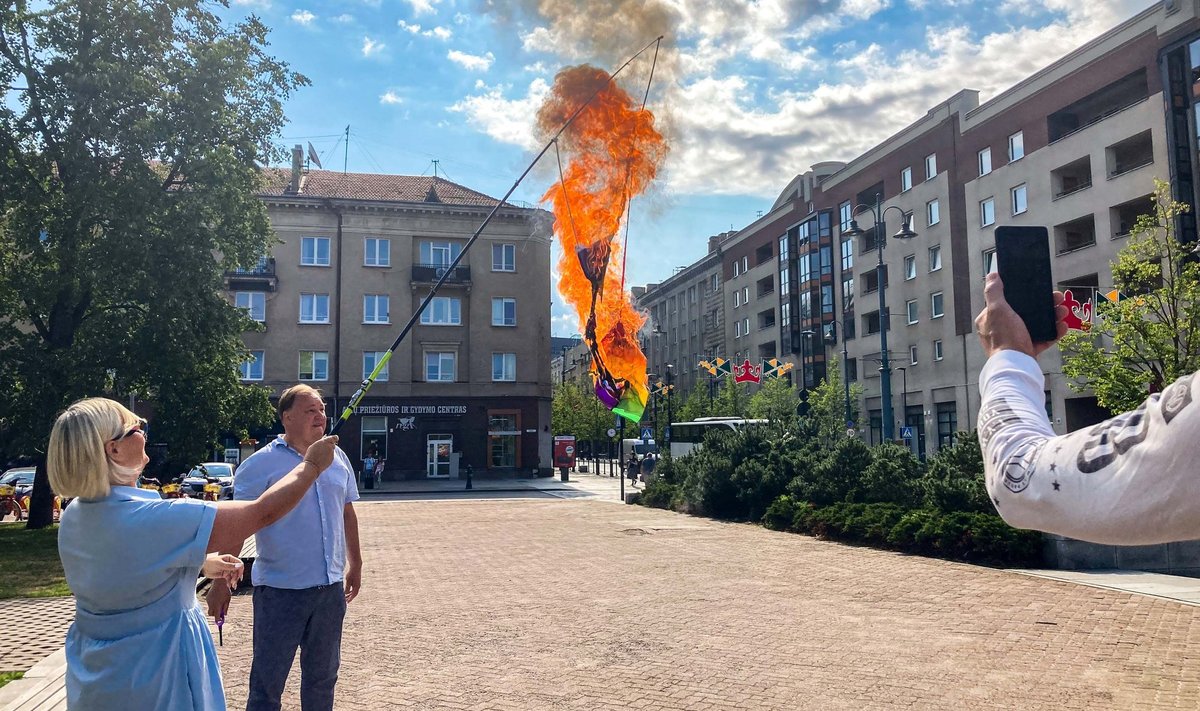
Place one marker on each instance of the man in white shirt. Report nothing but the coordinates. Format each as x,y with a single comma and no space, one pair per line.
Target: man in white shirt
1129,480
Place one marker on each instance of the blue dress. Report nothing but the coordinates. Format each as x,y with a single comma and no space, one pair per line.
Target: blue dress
139,640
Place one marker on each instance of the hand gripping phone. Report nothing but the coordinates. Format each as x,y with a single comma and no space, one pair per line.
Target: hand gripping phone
1023,261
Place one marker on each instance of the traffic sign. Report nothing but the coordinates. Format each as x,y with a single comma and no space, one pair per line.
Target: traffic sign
612,432
647,434
850,432
906,433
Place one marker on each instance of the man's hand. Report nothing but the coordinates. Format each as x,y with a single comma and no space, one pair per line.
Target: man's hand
217,599
353,582
1000,328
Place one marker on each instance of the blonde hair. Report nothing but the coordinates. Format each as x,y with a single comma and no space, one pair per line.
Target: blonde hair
289,397
75,459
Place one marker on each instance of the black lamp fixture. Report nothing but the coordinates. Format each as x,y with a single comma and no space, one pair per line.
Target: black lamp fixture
878,211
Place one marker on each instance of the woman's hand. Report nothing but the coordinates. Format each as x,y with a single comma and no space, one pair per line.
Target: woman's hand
320,453
224,567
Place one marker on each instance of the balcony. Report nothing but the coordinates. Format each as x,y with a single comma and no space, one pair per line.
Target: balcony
1075,235
260,277
430,273
1127,91
1071,178
1130,154
1124,217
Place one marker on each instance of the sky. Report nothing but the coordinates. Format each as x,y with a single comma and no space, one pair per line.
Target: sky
749,93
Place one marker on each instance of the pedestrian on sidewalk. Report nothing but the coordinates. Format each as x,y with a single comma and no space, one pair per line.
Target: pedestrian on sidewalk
139,640
1129,480
308,567
368,470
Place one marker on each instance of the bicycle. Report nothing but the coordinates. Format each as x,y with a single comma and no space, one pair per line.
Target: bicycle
10,504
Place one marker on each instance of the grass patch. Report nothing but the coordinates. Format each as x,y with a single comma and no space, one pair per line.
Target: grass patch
6,677
31,564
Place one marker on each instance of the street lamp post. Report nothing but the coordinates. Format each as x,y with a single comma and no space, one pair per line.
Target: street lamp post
670,413
903,396
806,337
905,232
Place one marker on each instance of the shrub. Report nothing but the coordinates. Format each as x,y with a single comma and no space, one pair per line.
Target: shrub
658,493
954,481
832,478
892,476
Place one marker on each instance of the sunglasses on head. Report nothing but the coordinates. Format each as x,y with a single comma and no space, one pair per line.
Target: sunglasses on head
139,427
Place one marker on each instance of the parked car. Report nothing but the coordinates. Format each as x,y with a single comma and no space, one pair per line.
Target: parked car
201,475
20,478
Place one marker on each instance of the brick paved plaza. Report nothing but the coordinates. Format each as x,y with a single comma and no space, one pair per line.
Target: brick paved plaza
530,604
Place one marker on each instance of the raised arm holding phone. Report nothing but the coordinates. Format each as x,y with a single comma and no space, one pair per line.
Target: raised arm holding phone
1129,480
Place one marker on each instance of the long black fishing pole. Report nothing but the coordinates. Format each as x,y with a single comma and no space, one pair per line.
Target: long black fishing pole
370,380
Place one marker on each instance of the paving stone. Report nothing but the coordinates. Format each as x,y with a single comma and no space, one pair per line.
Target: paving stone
547,605
33,629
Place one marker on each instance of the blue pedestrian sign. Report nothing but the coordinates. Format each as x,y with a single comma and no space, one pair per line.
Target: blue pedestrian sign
906,433
647,435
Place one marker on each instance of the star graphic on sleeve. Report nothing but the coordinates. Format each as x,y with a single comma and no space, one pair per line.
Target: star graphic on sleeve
1056,485
1053,467
996,501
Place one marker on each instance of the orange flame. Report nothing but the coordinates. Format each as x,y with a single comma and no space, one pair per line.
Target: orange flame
612,152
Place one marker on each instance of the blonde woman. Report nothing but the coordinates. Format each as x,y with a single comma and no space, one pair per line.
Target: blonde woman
139,640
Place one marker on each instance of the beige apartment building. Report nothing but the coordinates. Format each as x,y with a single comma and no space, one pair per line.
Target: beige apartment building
358,253
1075,147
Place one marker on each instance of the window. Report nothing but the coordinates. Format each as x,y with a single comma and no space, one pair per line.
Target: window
370,360
504,312
852,370
910,267
947,423
746,326
989,261
931,166
314,251
504,257
785,278
936,305
987,212
375,308
935,257
933,213
912,355
806,267
737,298
937,350
504,431
314,365
377,252
805,306
906,179
439,254
737,267
737,329
314,308
504,367
847,255
827,299
845,215
785,314
911,308
252,367
745,294
439,366
745,264
783,249
254,302
848,294
985,161
1019,202
442,311
871,323
1016,146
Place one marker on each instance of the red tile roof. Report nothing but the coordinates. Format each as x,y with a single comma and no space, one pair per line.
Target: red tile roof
373,186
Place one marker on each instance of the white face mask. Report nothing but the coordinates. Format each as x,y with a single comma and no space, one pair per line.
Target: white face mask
124,475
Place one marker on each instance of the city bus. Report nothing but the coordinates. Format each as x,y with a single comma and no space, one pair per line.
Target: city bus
687,436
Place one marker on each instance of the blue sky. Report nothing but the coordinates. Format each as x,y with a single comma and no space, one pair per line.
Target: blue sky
751,92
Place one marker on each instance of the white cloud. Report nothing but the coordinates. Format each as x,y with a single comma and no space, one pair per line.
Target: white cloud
371,48
536,68
303,17
344,18
442,33
472,62
390,97
424,7
506,120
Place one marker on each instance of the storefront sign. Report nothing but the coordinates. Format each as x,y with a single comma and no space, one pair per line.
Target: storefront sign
410,410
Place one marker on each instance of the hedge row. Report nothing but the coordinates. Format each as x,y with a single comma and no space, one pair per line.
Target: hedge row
970,537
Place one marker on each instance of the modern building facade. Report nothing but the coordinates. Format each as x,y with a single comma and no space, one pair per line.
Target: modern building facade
1075,147
358,253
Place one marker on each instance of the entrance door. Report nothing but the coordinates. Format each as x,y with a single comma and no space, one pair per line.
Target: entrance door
437,457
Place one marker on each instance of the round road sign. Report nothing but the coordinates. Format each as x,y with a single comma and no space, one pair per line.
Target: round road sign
612,432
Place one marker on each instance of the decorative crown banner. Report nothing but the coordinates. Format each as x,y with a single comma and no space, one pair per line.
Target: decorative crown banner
746,372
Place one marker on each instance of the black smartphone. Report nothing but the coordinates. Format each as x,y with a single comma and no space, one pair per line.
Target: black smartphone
1023,261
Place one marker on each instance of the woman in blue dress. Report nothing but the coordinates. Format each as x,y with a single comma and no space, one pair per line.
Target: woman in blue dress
139,640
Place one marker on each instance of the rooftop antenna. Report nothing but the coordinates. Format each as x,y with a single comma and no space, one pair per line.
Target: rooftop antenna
435,168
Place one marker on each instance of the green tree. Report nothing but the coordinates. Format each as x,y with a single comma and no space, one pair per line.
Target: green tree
698,404
827,404
128,163
1152,337
776,401
954,481
731,401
